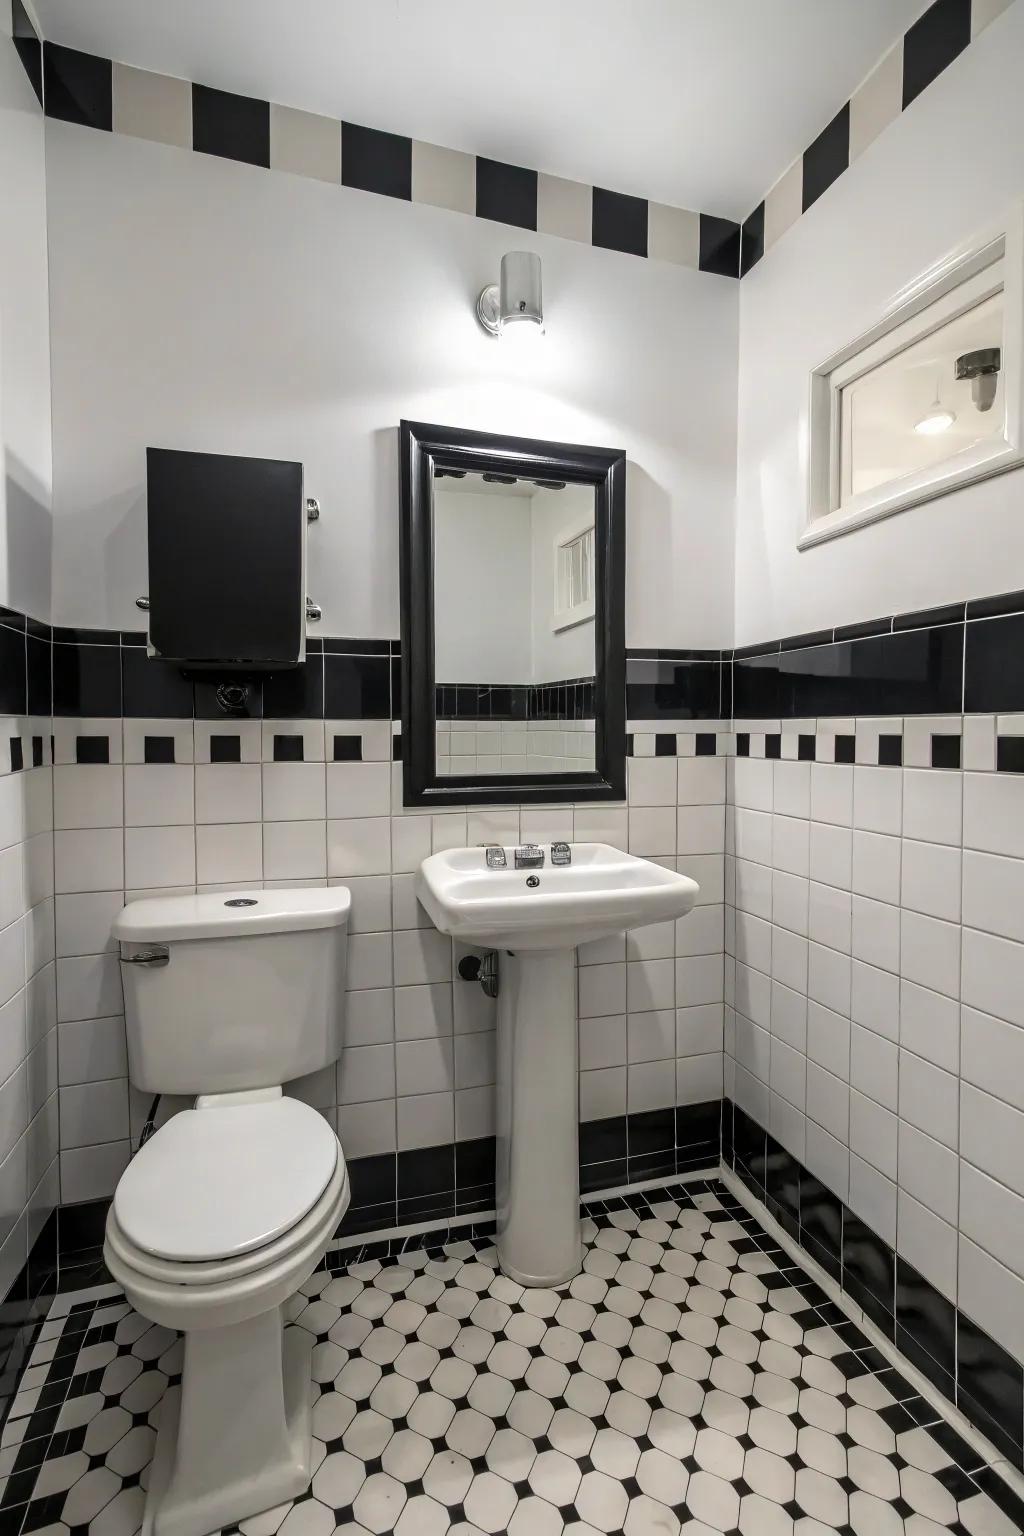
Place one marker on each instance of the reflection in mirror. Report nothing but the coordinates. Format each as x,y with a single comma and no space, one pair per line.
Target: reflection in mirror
514,611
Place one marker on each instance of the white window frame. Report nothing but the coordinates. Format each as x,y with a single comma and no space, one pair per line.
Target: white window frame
566,618
955,285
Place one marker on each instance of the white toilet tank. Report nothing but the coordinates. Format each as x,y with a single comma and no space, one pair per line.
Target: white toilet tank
233,990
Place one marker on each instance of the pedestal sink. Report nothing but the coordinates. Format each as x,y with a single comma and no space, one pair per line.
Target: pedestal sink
534,917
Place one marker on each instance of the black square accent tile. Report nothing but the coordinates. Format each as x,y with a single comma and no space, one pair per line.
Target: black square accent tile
706,744
288,749
28,47
92,749
225,749
945,751
158,749
629,744
17,754
719,246
348,749
664,745
77,87
1010,754
890,751
376,161
752,240
743,744
806,747
932,42
619,222
506,193
37,751
233,127
396,747
773,744
846,749
827,157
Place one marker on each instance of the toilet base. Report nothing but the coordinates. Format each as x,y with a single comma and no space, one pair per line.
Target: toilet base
236,1437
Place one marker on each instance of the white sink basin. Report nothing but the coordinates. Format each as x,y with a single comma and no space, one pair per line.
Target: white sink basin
603,891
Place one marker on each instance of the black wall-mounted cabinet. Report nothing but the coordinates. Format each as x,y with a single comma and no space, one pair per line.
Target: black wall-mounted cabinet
226,559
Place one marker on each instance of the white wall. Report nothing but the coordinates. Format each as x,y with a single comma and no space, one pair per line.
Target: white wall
198,302
481,545
941,172
562,652
25,471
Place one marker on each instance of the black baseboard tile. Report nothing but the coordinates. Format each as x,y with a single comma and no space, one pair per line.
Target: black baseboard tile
607,1175
990,1386
926,1320
81,1228
603,1141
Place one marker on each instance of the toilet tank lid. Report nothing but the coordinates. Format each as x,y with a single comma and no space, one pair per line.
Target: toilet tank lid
231,914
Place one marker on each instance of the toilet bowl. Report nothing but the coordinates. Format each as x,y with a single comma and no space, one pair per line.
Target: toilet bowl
231,1205
215,1224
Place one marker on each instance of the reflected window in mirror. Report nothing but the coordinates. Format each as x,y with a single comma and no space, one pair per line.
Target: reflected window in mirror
512,618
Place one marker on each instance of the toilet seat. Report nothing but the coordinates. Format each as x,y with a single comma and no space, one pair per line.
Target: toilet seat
224,1188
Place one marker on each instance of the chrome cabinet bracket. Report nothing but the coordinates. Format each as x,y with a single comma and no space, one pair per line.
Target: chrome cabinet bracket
155,955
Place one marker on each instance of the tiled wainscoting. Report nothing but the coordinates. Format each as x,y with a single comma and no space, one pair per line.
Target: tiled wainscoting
875,977
850,805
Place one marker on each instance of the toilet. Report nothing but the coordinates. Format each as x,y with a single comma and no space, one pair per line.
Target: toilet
231,1205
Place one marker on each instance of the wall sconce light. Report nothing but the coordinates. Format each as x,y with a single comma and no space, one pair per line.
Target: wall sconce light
515,306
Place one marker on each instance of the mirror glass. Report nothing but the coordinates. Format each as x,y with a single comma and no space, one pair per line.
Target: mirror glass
514,622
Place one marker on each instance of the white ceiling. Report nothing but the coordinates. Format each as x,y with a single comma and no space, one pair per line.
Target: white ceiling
701,103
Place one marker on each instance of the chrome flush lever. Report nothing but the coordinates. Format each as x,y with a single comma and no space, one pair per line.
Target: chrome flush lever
156,954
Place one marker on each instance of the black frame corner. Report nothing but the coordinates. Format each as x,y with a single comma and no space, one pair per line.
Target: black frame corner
422,446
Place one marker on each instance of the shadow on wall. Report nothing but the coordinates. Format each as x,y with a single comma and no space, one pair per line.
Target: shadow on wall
120,523
650,562
29,538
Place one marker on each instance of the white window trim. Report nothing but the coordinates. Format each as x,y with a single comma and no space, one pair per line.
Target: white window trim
993,456
568,618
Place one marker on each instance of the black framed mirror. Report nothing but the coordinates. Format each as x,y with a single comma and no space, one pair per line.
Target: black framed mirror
513,619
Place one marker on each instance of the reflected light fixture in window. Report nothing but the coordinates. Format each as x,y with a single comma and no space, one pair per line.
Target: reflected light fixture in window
937,418
514,307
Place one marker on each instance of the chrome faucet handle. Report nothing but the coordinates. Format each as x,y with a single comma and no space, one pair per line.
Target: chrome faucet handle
561,853
496,857
529,856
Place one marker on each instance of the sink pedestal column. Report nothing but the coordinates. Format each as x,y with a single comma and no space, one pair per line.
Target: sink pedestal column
537,1109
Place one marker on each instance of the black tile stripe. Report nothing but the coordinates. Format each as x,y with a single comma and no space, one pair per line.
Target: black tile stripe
619,222
806,747
77,87
28,47
932,43
664,745
506,193
890,751
233,127
845,749
706,744
827,158
376,161
719,246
